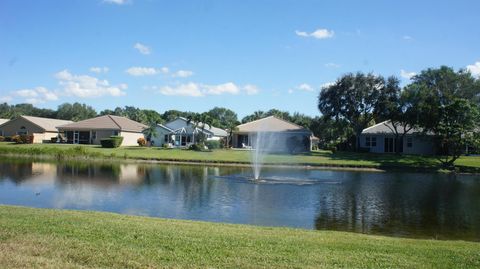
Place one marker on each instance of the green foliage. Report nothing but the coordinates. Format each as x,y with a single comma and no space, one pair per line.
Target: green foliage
112,142
223,118
197,147
75,112
151,131
213,144
13,111
141,142
22,139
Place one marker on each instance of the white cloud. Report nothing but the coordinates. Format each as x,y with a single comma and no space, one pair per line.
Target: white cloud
5,99
305,87
189,89
182,74
320,33
251,89
198,90
407,75
36,95
138,71
332,65
327,84
98,70
474,69
143,49
87,86
407,37
117,2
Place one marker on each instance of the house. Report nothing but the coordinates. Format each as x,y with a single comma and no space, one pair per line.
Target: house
181,133
2,121
279,134
42,129
379,138
91,131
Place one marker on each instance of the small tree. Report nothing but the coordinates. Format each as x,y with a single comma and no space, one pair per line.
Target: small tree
200,121
150,131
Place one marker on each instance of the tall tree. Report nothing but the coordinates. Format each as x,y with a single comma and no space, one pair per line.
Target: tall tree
223,117
201,121
75,112
354,98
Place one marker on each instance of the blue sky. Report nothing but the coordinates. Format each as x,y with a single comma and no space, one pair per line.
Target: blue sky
243,55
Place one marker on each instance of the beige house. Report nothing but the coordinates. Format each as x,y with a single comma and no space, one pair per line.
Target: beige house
275,133
42,129
91,131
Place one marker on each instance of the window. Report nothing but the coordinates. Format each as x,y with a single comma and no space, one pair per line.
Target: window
165,139
115,133
23,131
370,141
94,135
409,142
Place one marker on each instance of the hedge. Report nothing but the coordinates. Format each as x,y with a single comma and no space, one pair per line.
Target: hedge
112,142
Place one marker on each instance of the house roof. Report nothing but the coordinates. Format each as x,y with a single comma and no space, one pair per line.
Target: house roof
47,124
107,122
385,127
2,121
208,128
270,124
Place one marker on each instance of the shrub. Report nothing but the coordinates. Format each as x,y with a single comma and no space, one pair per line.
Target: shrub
22,139
112,142
142,142
8,139
213,144
2,138
197,147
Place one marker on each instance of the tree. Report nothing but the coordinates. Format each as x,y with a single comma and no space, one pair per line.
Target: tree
200,120
150,131
354,98
75,112
331,132
223,117
255,116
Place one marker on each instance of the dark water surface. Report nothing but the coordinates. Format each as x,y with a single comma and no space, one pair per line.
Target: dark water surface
423,205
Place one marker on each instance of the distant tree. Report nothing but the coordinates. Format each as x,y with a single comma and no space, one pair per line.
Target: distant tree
223,117
201,121
301,119
255,116
75,112
152,116
354,98
170,115
331,133
150,131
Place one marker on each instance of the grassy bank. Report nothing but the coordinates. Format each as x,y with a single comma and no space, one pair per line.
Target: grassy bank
73,239
316,158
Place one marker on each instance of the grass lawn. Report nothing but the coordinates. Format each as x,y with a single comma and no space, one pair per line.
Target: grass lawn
45,238
348,159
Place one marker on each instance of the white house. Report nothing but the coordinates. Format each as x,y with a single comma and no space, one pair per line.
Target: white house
379,138
181,133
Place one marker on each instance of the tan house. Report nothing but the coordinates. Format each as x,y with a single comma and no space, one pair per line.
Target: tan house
91,131
278,134
42,129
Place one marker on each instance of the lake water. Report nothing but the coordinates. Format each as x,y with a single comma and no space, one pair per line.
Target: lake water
421,205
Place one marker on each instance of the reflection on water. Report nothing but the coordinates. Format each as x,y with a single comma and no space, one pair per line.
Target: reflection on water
398,204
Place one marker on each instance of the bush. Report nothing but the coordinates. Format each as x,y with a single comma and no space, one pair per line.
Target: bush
112,142
22,139
2,138
213,144
197,147
142,142
8,139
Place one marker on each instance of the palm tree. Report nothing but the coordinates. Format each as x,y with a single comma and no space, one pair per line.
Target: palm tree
150,131
200,120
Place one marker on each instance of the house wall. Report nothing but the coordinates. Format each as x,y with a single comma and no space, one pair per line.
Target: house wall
130,138
13,127
421,145
278,141
159,139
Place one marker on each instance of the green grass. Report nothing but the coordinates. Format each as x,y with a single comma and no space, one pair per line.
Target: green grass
316,158
45,238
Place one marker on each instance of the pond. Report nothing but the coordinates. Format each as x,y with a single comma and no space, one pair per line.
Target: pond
419,205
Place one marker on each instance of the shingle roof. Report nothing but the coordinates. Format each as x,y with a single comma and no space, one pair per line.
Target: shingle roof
386,127
107,122
2,121
49,125
270,124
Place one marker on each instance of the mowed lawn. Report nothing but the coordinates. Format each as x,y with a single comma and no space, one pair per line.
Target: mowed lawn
45,238
348,159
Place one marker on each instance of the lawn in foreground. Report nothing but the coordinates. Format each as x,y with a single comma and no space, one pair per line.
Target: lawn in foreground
71,239
238,156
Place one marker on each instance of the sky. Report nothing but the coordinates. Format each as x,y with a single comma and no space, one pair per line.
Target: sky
244,55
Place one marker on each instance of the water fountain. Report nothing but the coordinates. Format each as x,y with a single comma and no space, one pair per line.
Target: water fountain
263,143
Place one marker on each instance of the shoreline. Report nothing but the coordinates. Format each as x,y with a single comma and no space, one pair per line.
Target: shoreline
336,167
